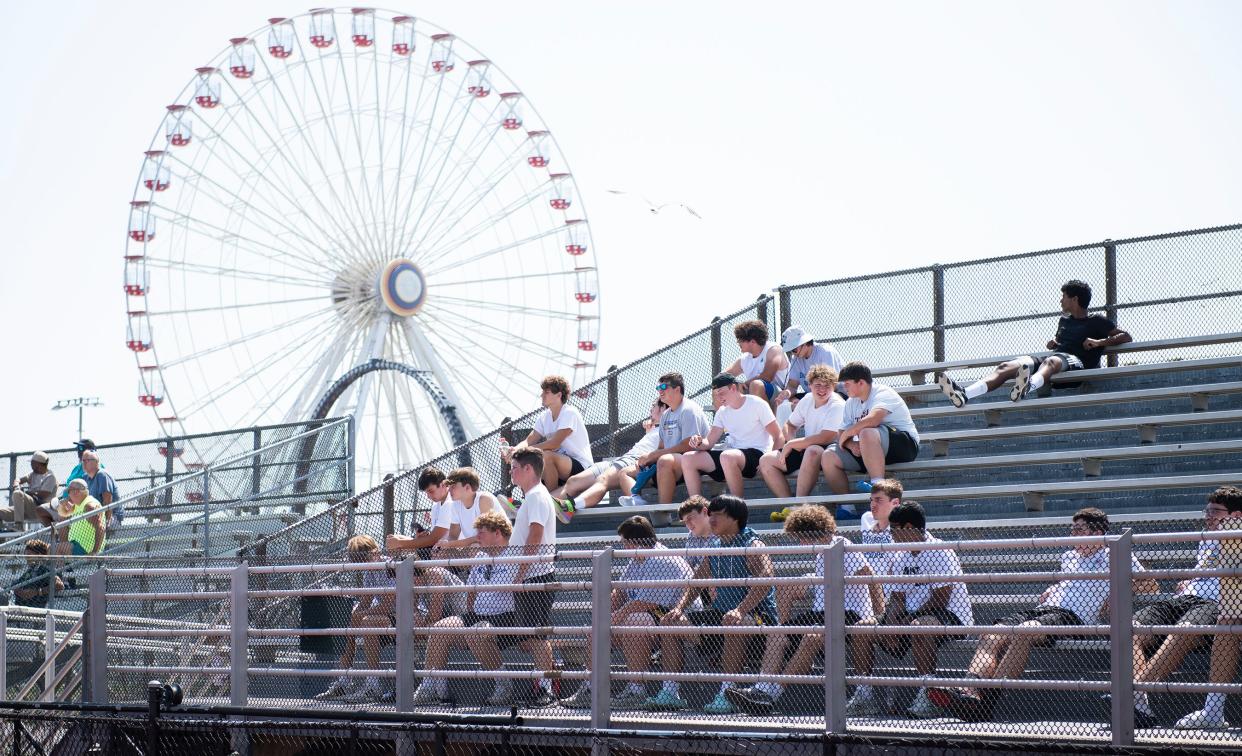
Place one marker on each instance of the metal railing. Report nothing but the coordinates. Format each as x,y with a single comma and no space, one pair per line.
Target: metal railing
1095,656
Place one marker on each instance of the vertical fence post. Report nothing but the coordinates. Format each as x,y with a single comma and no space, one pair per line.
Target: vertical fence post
390,506
834,637
351,455
404,607
1110,287
207,514
169,456
1121,637
256,466
13,473
239,620
715,333
49,655
506,432
938,351
4,656
761,309
601,639
614,411
784,304
97,636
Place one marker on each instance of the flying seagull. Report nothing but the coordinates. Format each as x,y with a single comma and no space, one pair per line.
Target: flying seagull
653,207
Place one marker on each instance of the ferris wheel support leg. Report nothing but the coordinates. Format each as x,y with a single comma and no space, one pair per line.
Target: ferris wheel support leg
427,360
372,350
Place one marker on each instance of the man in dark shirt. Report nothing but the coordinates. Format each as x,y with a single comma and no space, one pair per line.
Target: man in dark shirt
1078,345
31,587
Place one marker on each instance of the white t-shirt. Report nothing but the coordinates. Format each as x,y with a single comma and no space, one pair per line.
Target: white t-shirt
857,597
881,397
931,562
536,507
647,444
577,445
489,603
870,536
746,425
441,515
752,367
814,419
1084,598
464,517
1208,559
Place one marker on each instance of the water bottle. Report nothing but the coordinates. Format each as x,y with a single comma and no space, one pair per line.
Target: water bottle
504,449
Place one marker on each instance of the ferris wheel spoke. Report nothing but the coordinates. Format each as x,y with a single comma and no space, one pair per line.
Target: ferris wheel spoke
510,309
506,279
527,344
247,375
482,226
196,225
466,336
372,243
277,220
299,320
322,373
430,271
362,151
229,307
277,150
235,272
505,168
400,161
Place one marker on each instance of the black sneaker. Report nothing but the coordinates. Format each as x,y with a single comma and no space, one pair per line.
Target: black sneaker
952,390
1142,720
966,704
1021,383
540,700
752,701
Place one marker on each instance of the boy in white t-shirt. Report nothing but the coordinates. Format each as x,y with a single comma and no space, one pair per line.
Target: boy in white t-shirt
752,432
559,434
587,488
877,431
809,524
819,415
467,503
763,366
434,485
1067,602
911,603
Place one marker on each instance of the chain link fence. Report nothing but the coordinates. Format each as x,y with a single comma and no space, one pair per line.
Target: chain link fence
1080,636
1008,305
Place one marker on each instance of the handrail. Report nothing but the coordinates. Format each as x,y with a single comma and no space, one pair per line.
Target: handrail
214,467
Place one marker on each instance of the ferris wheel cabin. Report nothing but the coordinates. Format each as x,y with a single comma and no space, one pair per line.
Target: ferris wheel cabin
403,35
363,31
280,38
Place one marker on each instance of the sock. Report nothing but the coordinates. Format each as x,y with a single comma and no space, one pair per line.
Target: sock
1141,703
876,480
1037,380
1214,705
976,389
636,689
579,503
772,689
672,687
725,686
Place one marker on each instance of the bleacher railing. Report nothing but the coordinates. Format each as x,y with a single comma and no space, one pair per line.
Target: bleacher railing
1057,697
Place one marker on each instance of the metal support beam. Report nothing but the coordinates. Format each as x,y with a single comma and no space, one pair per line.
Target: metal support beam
1121,637
834,631
404,607
97,636
601,639
239,622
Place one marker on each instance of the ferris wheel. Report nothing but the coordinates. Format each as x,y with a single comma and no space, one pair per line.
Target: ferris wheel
355,212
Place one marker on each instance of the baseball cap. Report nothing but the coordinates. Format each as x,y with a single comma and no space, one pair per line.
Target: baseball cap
40,457
84,443
794,337
725,379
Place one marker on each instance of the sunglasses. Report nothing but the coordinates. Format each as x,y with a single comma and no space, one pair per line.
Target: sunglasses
663,386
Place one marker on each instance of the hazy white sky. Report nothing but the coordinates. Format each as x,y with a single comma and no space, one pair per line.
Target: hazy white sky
817,140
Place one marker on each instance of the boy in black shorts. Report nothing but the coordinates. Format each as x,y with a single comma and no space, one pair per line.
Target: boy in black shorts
752,430
1078,345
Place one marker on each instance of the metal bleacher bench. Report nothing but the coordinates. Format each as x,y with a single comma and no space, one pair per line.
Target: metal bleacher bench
992,410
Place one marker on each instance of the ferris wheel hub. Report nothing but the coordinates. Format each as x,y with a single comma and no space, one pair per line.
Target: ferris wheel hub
402,287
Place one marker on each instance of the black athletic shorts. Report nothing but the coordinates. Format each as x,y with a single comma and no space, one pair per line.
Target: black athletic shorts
504,619
813,619
748,470
793,462
1179,610
575,467
1048,616
899,646
711,644
532,608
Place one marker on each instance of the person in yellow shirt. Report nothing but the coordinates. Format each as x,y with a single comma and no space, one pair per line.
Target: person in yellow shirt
86,536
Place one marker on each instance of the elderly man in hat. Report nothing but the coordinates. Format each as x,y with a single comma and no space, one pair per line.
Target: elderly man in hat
33,490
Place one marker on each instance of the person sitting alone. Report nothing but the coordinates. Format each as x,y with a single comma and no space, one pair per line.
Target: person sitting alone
34,490
587,488
752,432
1079,343
1066,602
819,417
560,434
763,366
32,587
809,524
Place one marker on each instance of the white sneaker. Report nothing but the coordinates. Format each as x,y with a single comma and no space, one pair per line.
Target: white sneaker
626,501
427,694
364,695
337,689
952,390
923,708
863,704
1201,720
581,699
502,694
1021,383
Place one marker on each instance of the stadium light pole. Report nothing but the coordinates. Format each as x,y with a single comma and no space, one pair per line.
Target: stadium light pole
81,402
